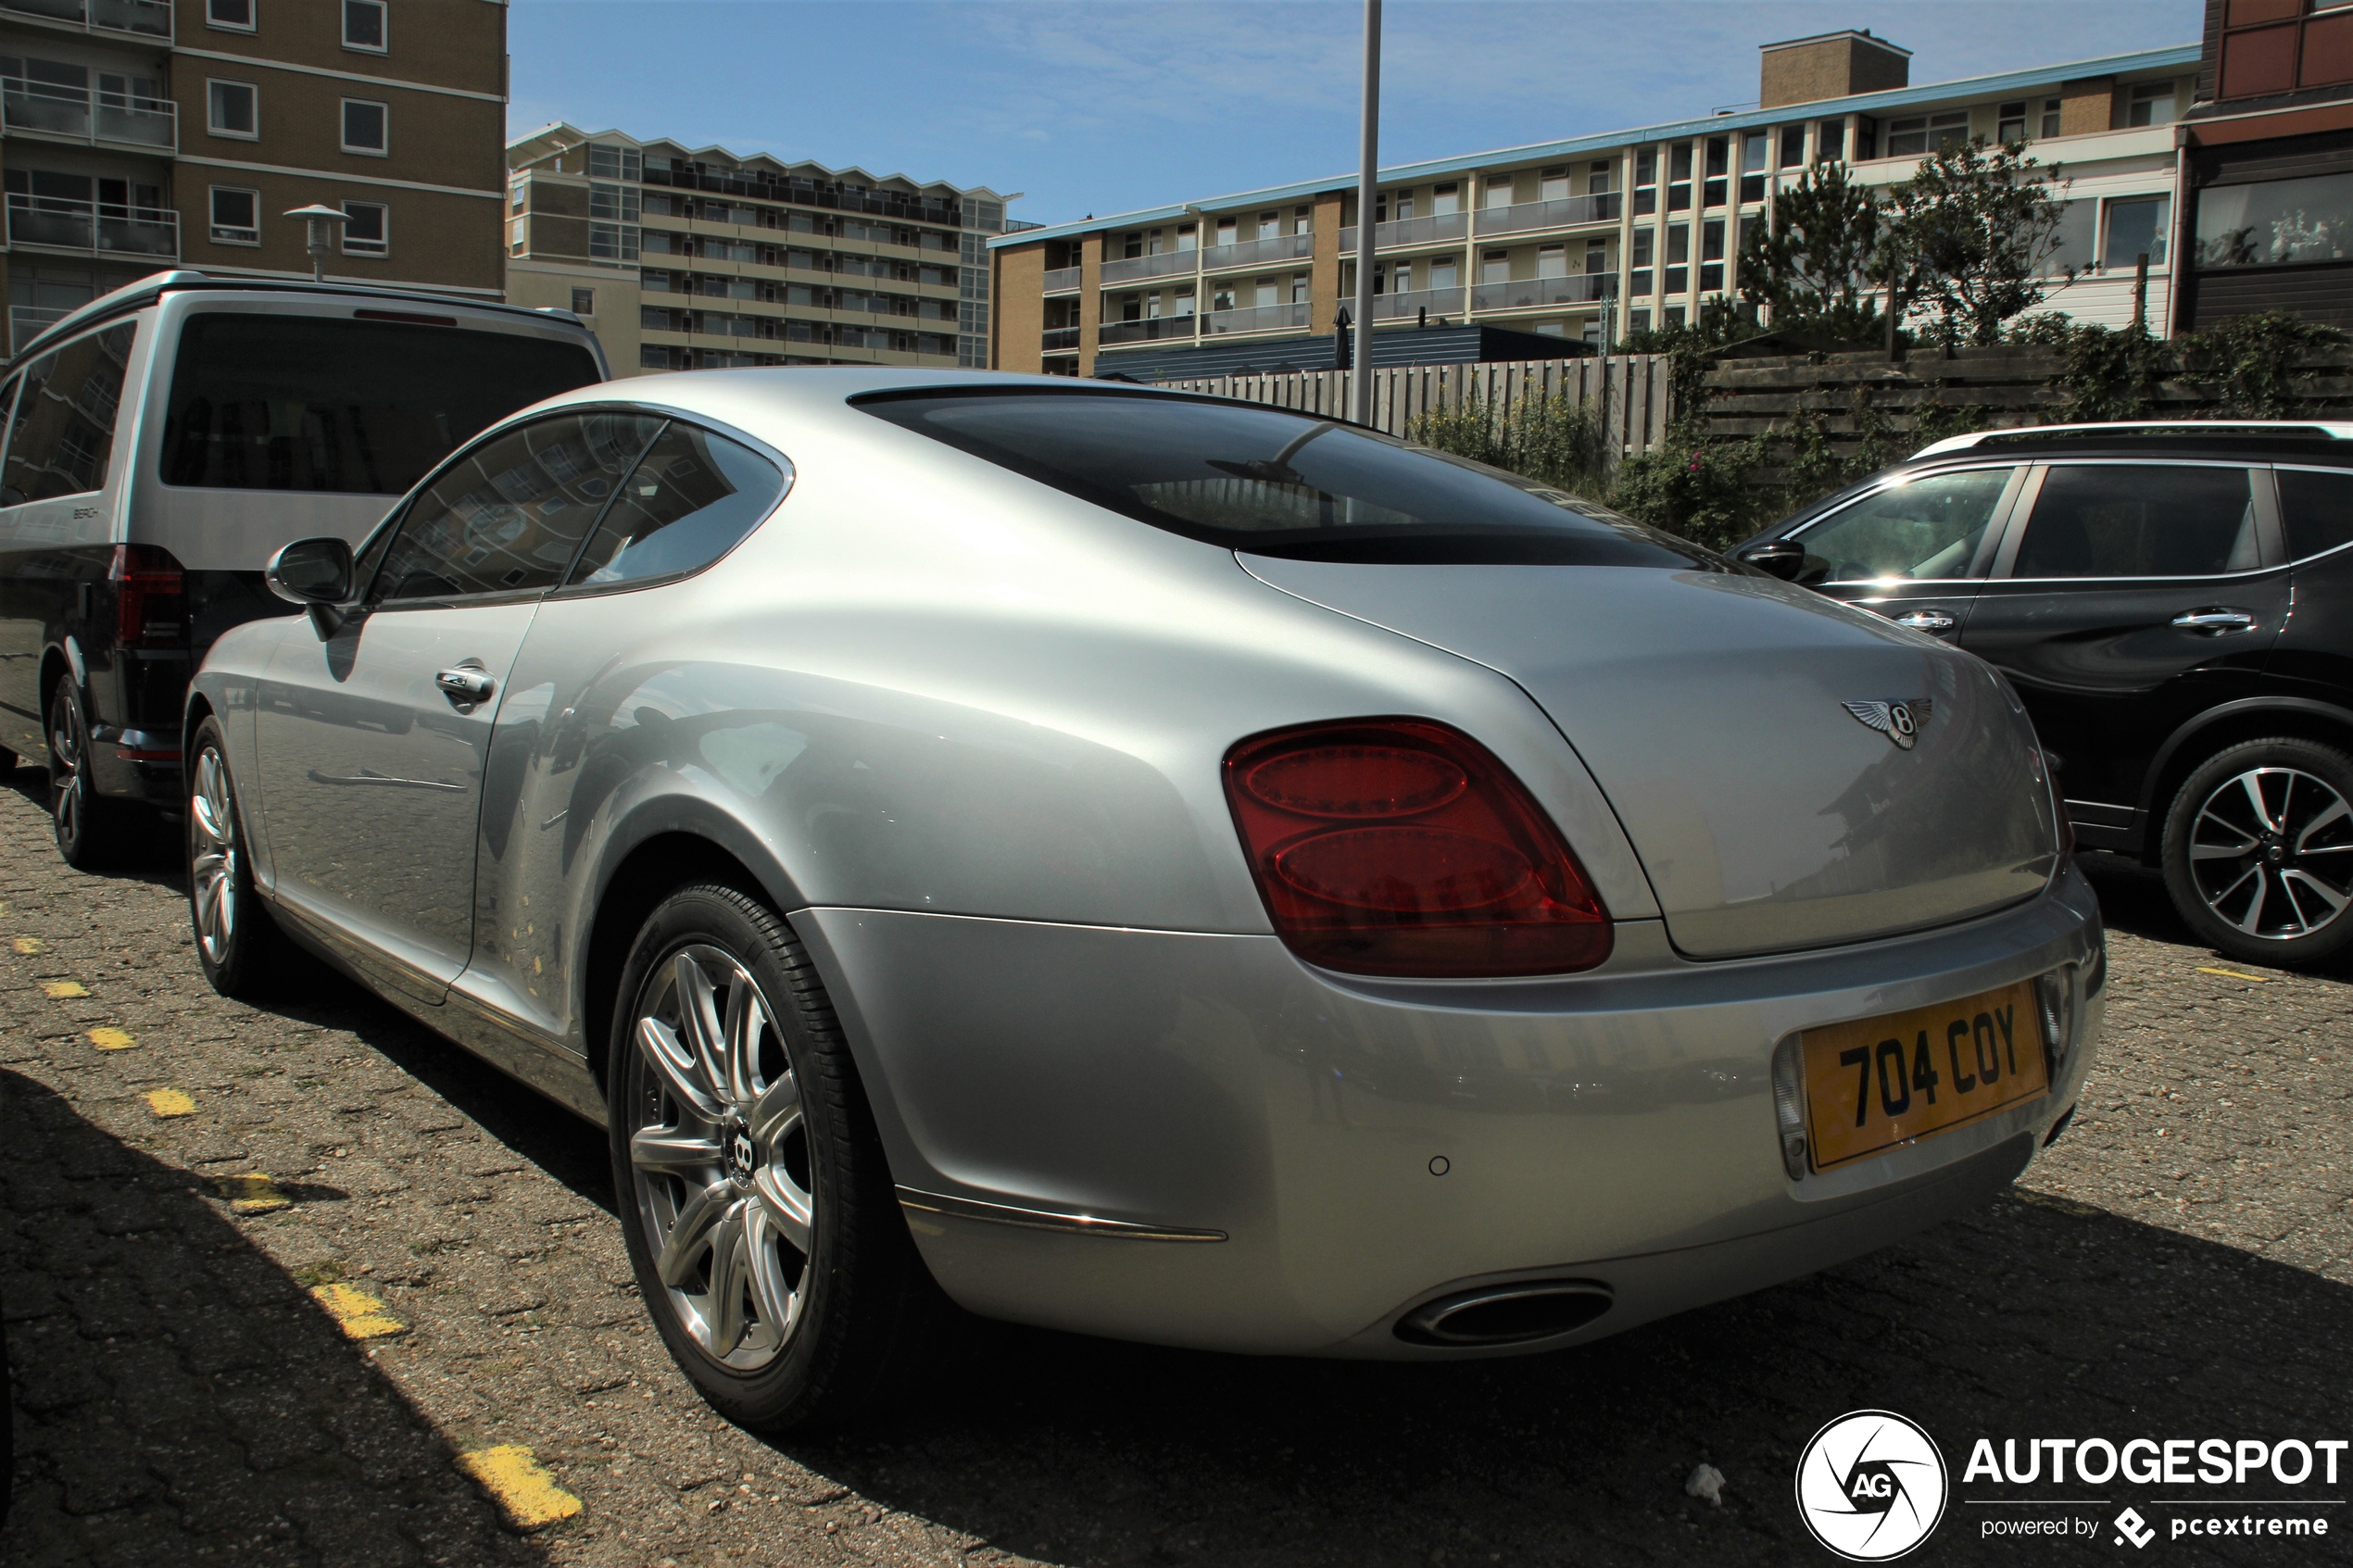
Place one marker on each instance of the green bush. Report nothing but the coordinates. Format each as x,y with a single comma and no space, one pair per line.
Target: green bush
1553,440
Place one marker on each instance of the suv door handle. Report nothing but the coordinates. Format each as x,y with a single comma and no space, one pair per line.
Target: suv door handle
2215,623
1927,621
464,685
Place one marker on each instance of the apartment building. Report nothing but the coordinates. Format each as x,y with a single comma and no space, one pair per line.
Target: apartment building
1597,236
697,258
145,135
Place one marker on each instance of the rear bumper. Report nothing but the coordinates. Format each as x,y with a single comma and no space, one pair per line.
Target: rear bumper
1616,1126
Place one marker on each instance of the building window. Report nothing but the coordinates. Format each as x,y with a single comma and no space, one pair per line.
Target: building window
517,236
237,216
1644,240
2152,104
237,14
2137,226
2274,222
606,161
229,109
1229,230
1441,274
363,127
583,301
1829,140
1637,322
1552,185
1300,283
1302,219
1753,151
364,229
1678,255
1645,182
1596,258
2051,117
1499,191
1793,146
1711,256
1923,135
2011,124
613,242
1552,261
1188,237
1671,318
1719,162
1270,225
364,26
1678,178
1597,179
1495,266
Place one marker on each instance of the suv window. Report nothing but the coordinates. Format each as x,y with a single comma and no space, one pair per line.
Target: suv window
2140,519
62,436
1925,528
508,517
279,402
692,499
2316,509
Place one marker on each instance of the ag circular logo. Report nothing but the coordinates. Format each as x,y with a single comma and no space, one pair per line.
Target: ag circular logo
1871,1485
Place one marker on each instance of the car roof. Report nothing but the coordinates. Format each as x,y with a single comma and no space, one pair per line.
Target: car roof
2320,441
748,396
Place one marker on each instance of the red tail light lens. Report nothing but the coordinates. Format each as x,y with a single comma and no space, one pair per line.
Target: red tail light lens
150,609
1401,846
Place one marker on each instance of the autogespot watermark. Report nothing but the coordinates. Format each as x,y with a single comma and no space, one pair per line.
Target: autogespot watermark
1872,1485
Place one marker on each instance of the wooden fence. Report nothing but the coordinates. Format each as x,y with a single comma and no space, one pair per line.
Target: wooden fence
1629,392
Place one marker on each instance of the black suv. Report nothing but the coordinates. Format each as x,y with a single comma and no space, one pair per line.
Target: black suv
2174,605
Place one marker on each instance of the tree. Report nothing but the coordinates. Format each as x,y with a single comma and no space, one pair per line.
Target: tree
1968,234
1815,265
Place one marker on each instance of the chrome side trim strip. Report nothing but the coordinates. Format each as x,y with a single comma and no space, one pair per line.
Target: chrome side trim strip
1046,1220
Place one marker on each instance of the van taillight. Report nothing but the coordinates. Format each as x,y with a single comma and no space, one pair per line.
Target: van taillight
150,604
1402,847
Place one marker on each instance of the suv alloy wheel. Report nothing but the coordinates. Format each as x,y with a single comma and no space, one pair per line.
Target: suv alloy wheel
2258,851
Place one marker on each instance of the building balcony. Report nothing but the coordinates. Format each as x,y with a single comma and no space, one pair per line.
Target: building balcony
1258,253
1531,294
1135,269
92,228
1435,229
1411,303
139,18
29,322
1063,280
1255,319
1056,340
1603,207
77,114
1154,330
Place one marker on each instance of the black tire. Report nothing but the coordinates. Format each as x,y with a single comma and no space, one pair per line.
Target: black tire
9,761
90,828
2273,888
861,1309
238,945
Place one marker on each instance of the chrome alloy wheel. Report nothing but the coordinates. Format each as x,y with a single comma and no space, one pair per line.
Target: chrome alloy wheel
2271,853
213,861
67,781
720,1156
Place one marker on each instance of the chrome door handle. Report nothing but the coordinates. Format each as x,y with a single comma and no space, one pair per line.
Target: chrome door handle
2215,623
464,685
1927,621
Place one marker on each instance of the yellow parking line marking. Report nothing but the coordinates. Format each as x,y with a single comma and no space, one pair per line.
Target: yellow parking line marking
58,990
28,944
108,1038
359,1314
523,1488
253,1193
168,1103
2259,979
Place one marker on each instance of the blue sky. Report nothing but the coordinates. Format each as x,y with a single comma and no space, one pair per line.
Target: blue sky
1107,105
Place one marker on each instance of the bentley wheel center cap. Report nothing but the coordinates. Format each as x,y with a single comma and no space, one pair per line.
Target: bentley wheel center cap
737,1150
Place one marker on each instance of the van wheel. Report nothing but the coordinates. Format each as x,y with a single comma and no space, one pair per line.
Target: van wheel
2258,851
89,826
237,944
760,1216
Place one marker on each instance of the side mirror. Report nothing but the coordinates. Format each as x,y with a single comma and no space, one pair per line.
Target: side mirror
311,571
1784,559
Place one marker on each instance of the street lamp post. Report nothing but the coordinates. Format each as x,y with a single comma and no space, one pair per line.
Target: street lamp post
322,236
1367,200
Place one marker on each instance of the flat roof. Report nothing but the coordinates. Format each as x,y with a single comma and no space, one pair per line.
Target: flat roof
2178,56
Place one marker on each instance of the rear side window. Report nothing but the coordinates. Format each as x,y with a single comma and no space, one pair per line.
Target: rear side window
2140,519
63,432
1928,527
2315,511
1270,482
276,402
691,499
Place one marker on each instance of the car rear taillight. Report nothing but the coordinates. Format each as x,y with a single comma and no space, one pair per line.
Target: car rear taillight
1401,846
150,607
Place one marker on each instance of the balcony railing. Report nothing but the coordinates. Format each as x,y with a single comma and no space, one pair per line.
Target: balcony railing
1411,303
1147,331
1584,288
49,110
91,227
1258,253
1062,280
1255,319
1433,229
1058,339
1130,268
147,19
29,322
1603,207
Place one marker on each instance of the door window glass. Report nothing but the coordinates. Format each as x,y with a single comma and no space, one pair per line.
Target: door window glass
63,432
1929,528
2155,519
691,499
2316,509
508,516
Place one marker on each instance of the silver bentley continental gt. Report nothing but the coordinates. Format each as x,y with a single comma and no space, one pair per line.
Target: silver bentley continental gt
1146,865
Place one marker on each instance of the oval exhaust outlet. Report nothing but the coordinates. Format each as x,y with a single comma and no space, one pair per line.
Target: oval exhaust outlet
1506,1314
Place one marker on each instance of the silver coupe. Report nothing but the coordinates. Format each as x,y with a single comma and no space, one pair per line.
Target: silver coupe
1147,865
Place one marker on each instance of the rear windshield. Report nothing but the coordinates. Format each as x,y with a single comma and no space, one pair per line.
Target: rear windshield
321,403
1273,483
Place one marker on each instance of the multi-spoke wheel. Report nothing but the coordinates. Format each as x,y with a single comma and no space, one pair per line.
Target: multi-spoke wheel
236,942
760,1217
2258,851
88,826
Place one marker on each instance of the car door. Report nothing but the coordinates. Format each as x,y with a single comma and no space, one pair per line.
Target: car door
371,740
1915,548
2126,596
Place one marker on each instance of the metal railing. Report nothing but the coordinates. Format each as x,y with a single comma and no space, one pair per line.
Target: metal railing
1255,319
1584,288
1168,264
1058,338
145,19
1062,280
1258,253
92,227
1434,228
1438,302
50,109
1603,207
1147,331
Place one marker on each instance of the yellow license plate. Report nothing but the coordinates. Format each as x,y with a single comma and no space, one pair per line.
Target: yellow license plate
1880,1082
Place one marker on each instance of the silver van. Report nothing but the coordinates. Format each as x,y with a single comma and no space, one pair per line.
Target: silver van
162,442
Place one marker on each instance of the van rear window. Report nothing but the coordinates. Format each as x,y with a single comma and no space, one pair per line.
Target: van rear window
266,402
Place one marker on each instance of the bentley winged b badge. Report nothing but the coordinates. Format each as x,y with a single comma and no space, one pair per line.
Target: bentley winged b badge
1898,721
